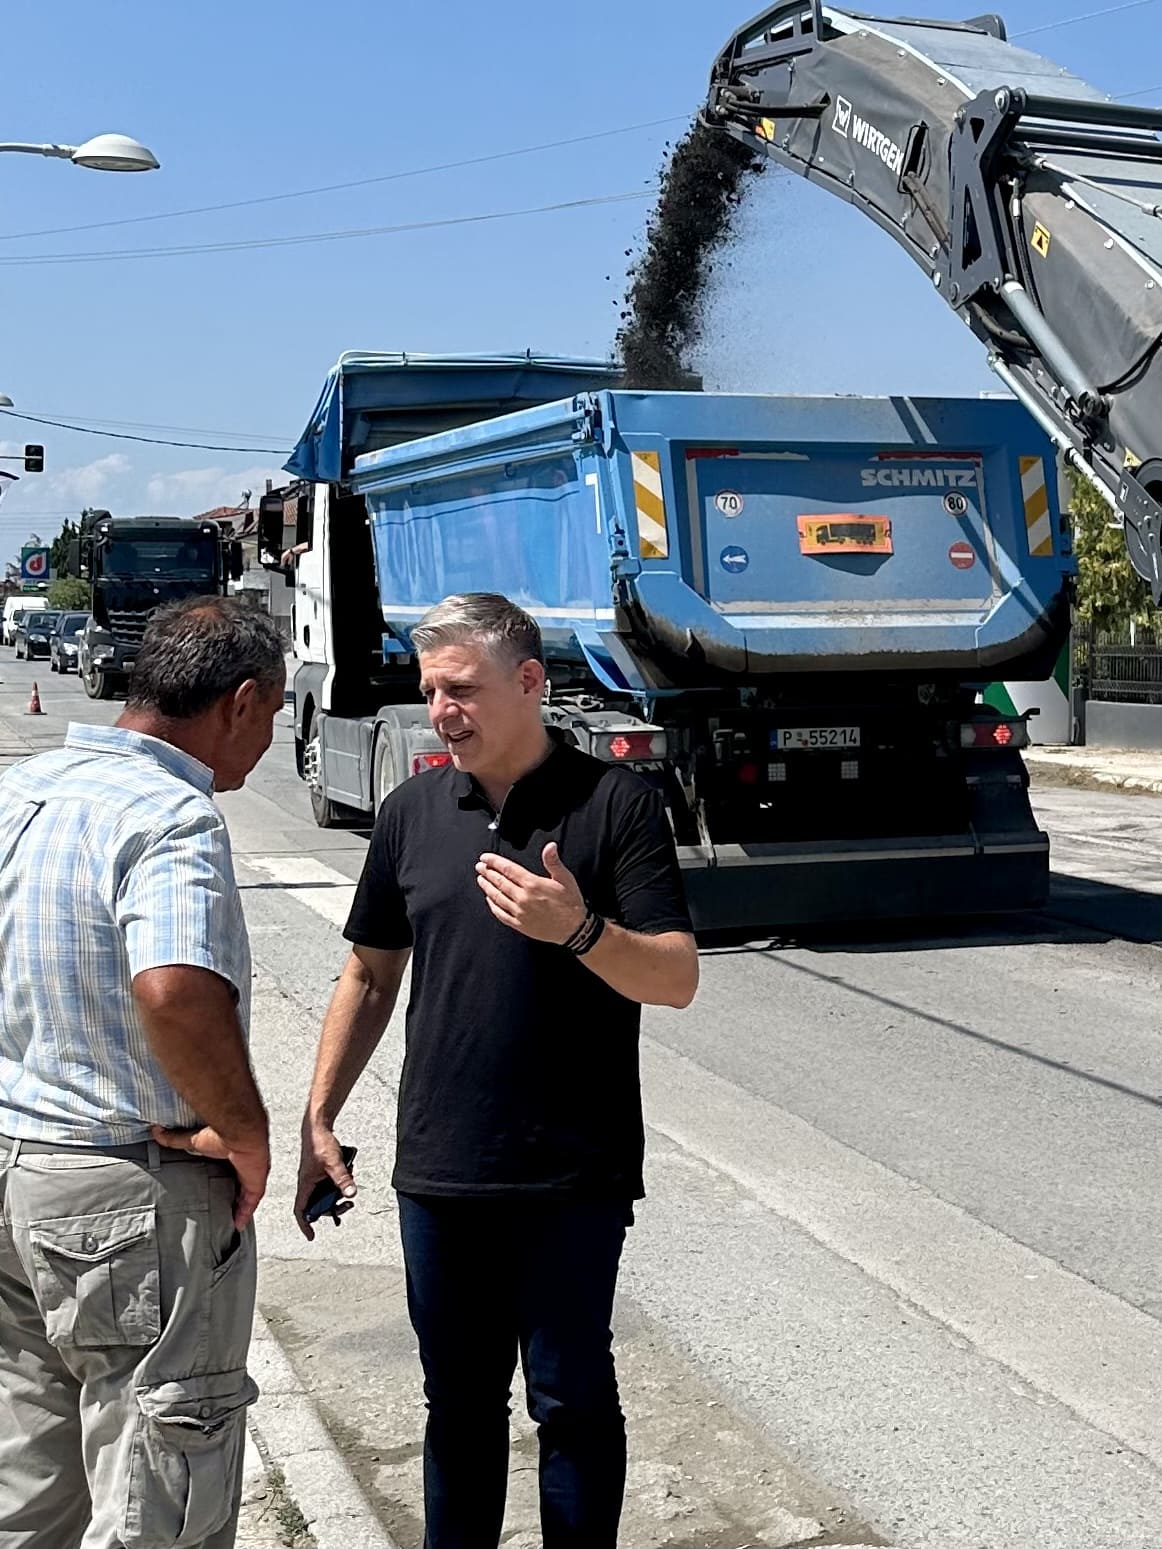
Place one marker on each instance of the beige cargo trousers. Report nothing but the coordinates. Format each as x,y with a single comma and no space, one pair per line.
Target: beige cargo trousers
126,1299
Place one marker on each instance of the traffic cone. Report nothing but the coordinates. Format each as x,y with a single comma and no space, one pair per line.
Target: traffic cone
34,703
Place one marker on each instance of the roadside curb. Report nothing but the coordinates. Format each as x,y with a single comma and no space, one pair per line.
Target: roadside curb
291,1437
1058,772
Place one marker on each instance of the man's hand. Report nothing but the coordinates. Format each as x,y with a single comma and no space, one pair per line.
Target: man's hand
321,1158
251,1163
545,908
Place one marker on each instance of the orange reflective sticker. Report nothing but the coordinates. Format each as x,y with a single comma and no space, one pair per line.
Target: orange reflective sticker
844,532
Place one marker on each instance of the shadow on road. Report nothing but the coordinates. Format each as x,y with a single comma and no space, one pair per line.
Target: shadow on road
1079,912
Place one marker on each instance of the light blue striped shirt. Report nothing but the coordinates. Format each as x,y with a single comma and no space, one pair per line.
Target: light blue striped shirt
113,859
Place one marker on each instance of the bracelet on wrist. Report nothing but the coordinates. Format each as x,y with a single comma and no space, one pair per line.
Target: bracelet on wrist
586,936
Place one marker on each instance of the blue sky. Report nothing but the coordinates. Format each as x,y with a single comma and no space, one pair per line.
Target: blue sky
245,101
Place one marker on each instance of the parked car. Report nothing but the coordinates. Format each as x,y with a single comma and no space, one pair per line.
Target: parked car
63,642
11,620
32,633
18,602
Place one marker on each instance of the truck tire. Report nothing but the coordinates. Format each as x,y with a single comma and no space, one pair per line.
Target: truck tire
97,684
327,814
383,780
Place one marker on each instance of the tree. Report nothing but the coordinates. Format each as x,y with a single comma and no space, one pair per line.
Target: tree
59,553
1111,595
70,594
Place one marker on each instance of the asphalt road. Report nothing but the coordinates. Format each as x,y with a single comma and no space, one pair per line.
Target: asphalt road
897,1278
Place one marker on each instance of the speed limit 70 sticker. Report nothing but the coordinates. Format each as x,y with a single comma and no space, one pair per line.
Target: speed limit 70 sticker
729,502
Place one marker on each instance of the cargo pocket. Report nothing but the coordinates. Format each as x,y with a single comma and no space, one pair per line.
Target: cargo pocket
187,1453
97,1279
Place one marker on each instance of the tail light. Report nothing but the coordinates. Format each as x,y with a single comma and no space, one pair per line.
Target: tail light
424,761
627,747
994,734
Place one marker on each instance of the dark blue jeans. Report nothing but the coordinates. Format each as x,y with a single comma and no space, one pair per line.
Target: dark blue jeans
489,1277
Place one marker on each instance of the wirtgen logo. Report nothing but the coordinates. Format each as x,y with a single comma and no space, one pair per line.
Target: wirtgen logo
851,126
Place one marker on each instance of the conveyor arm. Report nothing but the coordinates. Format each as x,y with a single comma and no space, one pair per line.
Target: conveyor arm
1032,202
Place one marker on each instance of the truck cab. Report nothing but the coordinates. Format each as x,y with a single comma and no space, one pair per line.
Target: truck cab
134,565
348,668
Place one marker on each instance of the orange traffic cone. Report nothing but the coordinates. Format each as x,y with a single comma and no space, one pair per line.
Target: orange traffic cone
34,703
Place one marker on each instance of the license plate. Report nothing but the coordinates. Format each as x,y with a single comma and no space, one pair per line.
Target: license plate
805,738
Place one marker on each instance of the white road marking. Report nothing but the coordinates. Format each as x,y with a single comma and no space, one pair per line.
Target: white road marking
312,882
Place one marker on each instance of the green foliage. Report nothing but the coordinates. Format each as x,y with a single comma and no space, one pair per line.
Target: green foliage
70,594
1111,595
59,554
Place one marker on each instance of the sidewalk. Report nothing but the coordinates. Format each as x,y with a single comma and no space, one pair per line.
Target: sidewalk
1098,769
298,1493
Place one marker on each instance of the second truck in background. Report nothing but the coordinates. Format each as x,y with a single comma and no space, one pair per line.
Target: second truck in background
134,564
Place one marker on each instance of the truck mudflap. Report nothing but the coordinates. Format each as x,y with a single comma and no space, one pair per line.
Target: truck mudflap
758,889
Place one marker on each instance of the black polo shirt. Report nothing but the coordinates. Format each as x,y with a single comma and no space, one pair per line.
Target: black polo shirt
521,1066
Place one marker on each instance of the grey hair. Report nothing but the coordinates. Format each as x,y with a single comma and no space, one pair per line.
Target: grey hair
199,649
481,618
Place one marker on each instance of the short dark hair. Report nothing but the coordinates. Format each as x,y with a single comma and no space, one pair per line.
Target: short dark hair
481,618
199,649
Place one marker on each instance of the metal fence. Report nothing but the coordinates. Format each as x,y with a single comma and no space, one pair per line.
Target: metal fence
1116,669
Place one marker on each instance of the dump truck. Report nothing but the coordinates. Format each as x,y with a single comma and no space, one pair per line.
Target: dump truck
134,564
779,611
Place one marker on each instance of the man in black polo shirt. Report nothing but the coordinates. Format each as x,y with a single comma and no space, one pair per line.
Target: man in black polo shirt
537,892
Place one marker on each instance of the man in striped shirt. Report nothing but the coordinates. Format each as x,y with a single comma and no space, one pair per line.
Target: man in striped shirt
133,1140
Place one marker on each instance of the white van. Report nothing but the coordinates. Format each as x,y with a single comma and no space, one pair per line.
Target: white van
18,601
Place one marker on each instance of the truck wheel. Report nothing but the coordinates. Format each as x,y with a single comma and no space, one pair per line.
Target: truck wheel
382,771
326,813
97,684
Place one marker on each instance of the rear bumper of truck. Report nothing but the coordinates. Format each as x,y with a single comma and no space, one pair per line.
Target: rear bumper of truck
761,889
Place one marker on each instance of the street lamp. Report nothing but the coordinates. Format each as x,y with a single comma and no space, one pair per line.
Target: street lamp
104,153
6,402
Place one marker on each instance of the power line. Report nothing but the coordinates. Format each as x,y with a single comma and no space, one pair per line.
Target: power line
120,435
120,254
190,430
1087,16
1146,91
366,182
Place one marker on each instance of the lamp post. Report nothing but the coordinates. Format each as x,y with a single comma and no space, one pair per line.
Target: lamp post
103,153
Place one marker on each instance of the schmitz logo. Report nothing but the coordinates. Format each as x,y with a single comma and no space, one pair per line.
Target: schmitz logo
918,478
851,126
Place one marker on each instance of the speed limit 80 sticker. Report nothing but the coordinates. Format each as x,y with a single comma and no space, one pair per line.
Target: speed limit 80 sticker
729,502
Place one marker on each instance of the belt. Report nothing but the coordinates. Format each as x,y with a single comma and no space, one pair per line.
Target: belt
138,1151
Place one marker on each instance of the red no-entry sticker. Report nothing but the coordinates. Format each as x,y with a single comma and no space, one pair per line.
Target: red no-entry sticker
962,556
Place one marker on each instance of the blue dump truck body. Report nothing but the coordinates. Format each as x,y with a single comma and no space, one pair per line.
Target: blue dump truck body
780,611
680,540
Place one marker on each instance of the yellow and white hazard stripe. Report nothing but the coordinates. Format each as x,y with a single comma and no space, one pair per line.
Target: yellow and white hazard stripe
653,539
1035,492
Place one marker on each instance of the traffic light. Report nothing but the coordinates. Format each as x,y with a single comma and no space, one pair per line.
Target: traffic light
34,459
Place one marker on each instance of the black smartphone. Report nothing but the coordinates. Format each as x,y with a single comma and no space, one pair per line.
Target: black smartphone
326,1195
